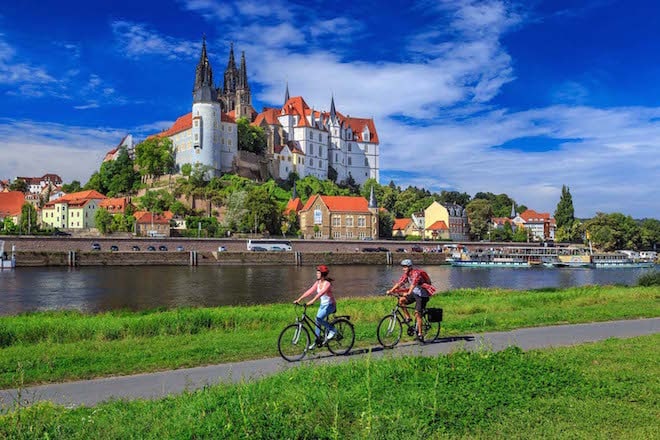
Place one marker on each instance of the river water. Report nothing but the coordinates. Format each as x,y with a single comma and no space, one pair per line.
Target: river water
96,289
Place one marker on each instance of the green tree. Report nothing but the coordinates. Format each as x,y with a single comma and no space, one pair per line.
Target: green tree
614,231
156,201
521,235
501,203
480,213
385,224
650,233
72,187
103,221
186,169
155,156
250,138
8,226
19,185
565,214
28,220
455,197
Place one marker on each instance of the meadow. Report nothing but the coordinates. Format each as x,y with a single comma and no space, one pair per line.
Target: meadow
48,347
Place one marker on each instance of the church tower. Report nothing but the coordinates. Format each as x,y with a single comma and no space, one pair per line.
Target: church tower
243,95
230,83
205,114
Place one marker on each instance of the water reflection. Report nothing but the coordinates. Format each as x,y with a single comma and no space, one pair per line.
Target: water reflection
137,288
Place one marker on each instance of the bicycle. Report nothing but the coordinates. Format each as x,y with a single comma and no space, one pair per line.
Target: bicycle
390,327
294,341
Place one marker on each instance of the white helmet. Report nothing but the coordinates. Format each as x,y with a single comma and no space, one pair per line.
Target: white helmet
407,263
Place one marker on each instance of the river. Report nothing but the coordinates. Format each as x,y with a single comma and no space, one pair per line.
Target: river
97,289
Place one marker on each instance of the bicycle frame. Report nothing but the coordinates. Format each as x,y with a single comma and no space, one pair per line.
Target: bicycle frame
309,322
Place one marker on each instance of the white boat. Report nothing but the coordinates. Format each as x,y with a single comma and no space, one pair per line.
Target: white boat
617,260
6,261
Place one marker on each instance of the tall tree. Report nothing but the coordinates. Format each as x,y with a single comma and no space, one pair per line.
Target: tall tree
19,185
250,138
455,197
565,214
155,156
28,221
480,213
72,187
614,231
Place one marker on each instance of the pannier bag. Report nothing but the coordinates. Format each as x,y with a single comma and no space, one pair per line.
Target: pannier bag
434,315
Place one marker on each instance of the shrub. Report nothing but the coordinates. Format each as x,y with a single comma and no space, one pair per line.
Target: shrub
650,279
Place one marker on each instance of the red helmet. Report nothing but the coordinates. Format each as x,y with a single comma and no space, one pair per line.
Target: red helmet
323,269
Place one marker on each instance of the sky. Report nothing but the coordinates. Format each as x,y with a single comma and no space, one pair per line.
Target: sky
467,95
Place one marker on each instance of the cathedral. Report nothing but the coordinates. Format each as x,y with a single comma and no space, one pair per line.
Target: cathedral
300,139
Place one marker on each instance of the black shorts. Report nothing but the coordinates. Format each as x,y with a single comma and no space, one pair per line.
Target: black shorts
420,301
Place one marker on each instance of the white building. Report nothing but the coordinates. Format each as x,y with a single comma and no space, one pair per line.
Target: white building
300,139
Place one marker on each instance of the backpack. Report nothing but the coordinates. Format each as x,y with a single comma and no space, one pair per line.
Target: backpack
425,282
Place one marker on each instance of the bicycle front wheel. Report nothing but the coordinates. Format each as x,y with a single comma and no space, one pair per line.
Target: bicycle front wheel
344,338
293,342
431,329
389,331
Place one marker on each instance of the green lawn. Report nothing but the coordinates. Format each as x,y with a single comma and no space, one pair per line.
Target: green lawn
604,390
59,346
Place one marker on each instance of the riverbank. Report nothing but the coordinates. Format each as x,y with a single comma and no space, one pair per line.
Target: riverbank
48,347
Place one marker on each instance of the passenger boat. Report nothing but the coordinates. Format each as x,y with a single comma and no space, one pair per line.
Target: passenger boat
617,260
6,261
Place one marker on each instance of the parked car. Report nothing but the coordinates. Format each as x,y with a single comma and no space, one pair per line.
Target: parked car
180,249
151,248
96,247
370,249
162,248
222,249
382,249
114,248
136,248
58,233
416,248
400,250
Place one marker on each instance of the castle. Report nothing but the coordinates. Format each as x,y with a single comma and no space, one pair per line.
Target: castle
301,140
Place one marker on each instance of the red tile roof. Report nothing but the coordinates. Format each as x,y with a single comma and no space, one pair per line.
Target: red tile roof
181,124
144,217
11,203
268,115
438,226
340,203
116,204
294,205
401,224
77,198
532,216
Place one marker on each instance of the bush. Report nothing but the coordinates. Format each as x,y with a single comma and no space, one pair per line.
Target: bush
649,279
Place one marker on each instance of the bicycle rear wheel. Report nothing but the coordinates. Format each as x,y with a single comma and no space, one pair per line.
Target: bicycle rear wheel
389,331
344,339
431,329
293,342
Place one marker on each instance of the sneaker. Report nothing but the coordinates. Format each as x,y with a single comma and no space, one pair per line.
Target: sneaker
331,335
420,338
312,346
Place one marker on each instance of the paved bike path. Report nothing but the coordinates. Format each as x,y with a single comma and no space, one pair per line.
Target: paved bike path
156,385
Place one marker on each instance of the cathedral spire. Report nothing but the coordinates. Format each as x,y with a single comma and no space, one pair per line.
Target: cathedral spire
286,94
203,90
333,112
231,64
242,74
372,199
513,210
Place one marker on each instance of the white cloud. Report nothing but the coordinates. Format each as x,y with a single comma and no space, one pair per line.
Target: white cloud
136,40
16,73
72,152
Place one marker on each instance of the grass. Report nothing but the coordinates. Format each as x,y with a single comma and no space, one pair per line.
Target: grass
59,346
602,390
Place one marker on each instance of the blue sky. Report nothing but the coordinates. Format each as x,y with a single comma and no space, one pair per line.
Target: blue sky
501,96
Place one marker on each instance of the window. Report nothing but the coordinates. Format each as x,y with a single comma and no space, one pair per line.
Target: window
350,147
229,128
318,217
319,163
317,234
349,221
366,162
362,235
311,149
350,161
319,137
336,234
362,222
349,234
311,135
336,220
196,122
196,137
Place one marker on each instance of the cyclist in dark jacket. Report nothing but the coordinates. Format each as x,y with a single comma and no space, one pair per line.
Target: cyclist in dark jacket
417,293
